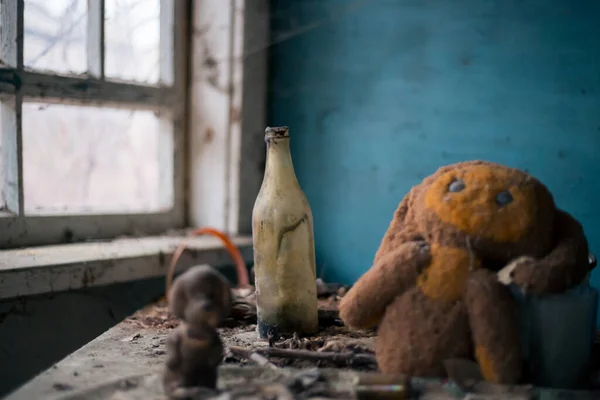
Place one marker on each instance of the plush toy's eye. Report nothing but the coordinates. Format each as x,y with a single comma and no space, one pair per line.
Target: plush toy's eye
504,198
456,186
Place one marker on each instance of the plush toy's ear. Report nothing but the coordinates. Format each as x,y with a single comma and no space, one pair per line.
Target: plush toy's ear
564,267
399,229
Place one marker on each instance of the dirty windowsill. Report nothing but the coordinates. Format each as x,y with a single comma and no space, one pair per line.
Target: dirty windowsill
48,269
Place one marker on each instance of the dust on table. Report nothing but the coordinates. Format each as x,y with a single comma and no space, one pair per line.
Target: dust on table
240,330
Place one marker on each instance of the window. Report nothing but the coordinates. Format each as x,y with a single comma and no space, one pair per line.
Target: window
92,107
98,138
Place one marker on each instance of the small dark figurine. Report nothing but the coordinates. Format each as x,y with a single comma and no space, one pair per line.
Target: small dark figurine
201,297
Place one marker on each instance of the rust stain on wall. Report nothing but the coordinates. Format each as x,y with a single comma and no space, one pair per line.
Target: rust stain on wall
235,115
209,135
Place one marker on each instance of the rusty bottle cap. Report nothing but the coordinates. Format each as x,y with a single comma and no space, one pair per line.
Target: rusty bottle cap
276,132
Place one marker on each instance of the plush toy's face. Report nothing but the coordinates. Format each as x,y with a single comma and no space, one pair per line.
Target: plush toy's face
489,201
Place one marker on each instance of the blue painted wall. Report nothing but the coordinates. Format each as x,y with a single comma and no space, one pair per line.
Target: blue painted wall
379,93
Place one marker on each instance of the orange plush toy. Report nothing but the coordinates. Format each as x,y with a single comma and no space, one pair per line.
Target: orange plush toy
433,288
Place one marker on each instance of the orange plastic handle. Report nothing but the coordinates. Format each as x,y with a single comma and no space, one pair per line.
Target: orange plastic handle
240,265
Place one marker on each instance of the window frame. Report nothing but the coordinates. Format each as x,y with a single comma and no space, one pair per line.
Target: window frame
228,112
168,98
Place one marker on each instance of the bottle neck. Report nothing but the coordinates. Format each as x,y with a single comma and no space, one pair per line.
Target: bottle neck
279,159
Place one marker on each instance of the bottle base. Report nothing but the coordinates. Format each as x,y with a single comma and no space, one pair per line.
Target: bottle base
274,331
265,330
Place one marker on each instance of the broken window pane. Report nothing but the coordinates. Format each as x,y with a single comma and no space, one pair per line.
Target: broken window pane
94,160
55,35
132,31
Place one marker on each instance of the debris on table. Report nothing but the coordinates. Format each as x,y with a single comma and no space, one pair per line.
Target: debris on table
126,363
345,359
155,316
255,368
333,346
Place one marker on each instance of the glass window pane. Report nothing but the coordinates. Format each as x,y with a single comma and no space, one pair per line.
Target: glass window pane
8,155
2,201
93,160
55,33
132,31
3,39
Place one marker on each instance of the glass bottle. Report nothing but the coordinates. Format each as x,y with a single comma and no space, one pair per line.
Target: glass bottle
284,247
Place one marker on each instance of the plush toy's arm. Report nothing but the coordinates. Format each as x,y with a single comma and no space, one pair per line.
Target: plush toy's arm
493,321
393,273
564,267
